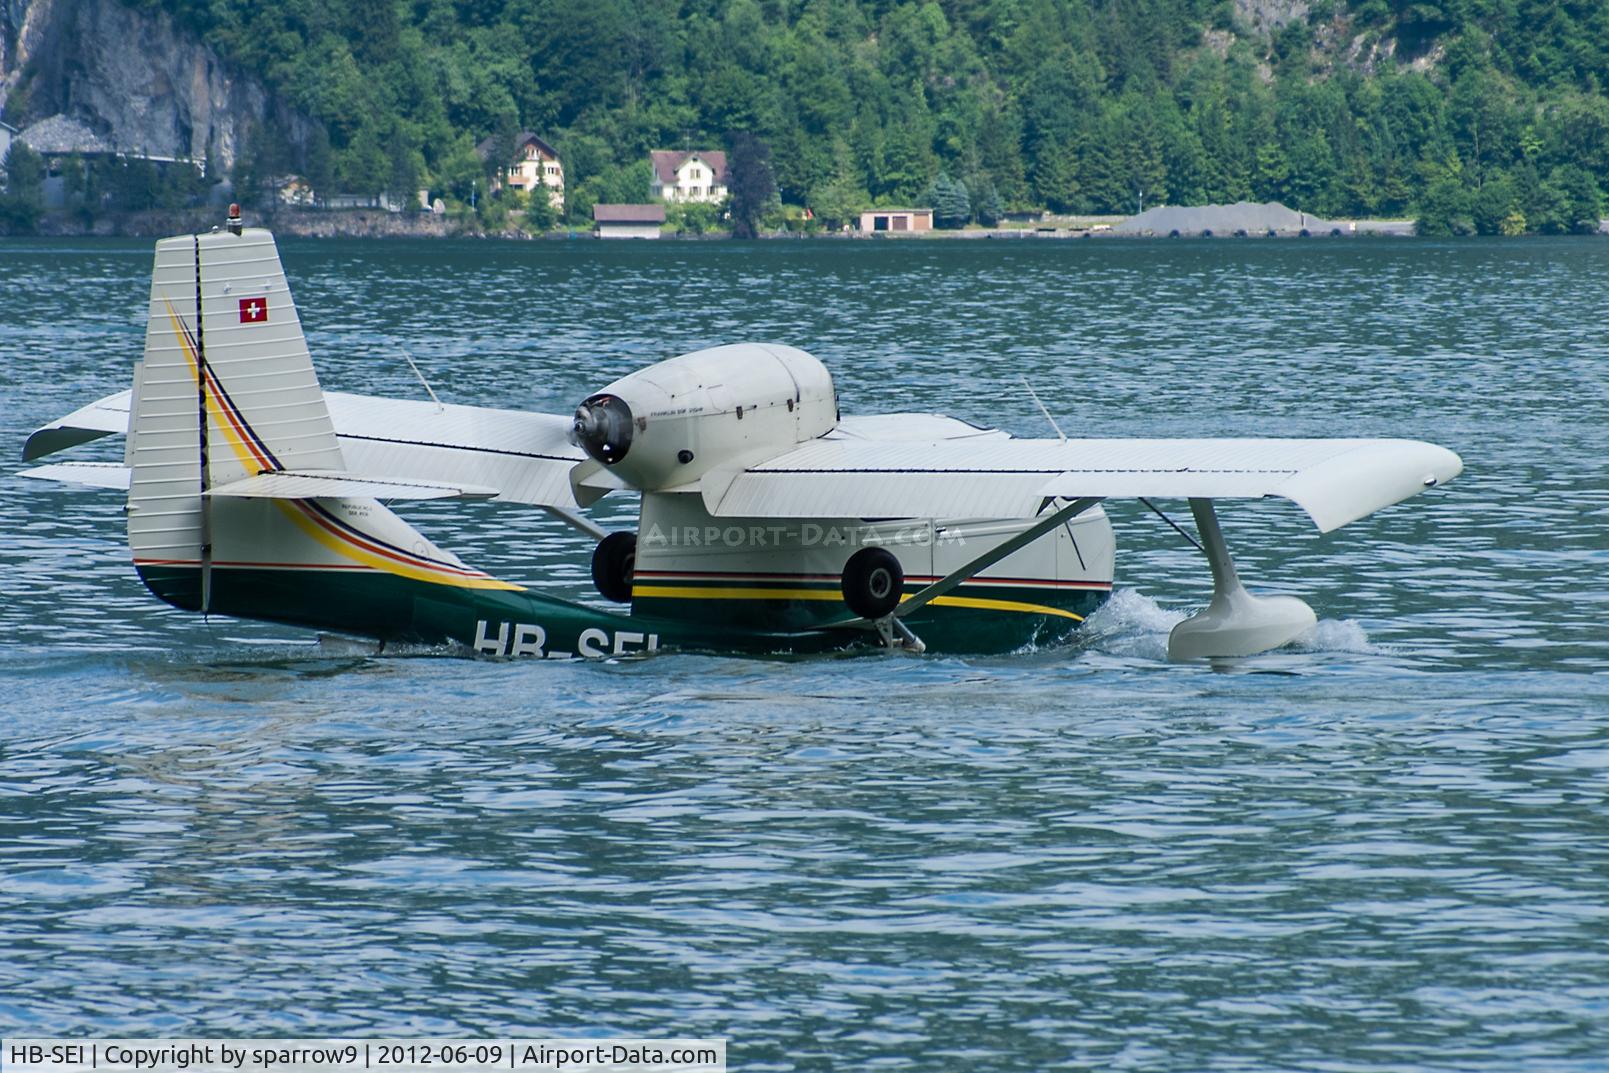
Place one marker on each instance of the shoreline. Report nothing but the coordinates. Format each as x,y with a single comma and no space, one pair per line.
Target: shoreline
379,224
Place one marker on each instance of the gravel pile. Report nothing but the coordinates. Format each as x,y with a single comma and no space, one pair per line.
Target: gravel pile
59,134
1247,216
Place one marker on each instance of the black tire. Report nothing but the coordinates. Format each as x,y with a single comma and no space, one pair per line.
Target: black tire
614,561
873,582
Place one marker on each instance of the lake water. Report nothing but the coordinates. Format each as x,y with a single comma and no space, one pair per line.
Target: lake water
1385,849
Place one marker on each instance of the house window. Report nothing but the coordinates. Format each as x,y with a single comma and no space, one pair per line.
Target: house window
879,223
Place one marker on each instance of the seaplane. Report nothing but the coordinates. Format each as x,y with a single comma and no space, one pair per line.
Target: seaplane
769,522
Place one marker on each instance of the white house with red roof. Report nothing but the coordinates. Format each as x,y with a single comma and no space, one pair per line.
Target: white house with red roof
694,175
535,164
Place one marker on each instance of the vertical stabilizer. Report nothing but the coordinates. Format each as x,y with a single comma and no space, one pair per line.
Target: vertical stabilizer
226,389
164,419
227,392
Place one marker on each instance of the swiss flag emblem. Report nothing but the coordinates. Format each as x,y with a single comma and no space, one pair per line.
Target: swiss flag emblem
253,310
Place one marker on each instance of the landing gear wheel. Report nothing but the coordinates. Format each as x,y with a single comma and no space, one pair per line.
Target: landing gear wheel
873,582
614,562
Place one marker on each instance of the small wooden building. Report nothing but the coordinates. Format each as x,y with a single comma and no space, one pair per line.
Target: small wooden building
627,221
896,221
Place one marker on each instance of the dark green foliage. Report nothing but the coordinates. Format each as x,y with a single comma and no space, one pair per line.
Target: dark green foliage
25,171
694,217
952,205
610,184
1447,208
539,212
492,212
1579,198
1079,106
266,156
24,192
985,202
838,200
1496,209
748,178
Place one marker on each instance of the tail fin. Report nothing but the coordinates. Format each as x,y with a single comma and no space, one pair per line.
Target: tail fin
265,411
227,392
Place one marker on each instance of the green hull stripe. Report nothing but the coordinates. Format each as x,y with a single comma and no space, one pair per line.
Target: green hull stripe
522,622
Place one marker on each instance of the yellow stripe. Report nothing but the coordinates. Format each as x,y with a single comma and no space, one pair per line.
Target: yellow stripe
337,544
1006,605
340,546
678,592
243,455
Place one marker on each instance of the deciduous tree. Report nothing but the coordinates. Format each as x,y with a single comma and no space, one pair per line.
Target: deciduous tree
749,181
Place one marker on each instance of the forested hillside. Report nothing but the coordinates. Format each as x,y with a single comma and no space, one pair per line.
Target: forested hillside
1484,114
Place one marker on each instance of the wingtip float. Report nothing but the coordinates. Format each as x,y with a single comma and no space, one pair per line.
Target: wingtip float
768,523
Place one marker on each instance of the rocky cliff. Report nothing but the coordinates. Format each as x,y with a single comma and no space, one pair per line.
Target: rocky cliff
142,83
1266,16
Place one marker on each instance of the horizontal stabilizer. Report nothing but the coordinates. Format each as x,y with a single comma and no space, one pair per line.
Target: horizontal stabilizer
113,475
282,484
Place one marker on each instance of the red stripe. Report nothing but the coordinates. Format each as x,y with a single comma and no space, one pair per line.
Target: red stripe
247,436
216,392
739,573
719,575
407,560
232,563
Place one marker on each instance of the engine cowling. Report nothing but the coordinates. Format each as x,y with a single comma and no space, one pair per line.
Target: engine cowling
671,423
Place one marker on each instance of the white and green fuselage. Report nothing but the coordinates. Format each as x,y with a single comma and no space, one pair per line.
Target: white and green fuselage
236,470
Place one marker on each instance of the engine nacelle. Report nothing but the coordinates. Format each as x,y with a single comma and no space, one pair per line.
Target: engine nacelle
671,423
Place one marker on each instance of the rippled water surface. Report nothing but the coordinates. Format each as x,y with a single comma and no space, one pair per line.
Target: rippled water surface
1384,849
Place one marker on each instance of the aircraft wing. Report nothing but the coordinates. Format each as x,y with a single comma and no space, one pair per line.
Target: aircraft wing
110,475
524,457
103,417
1334,481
